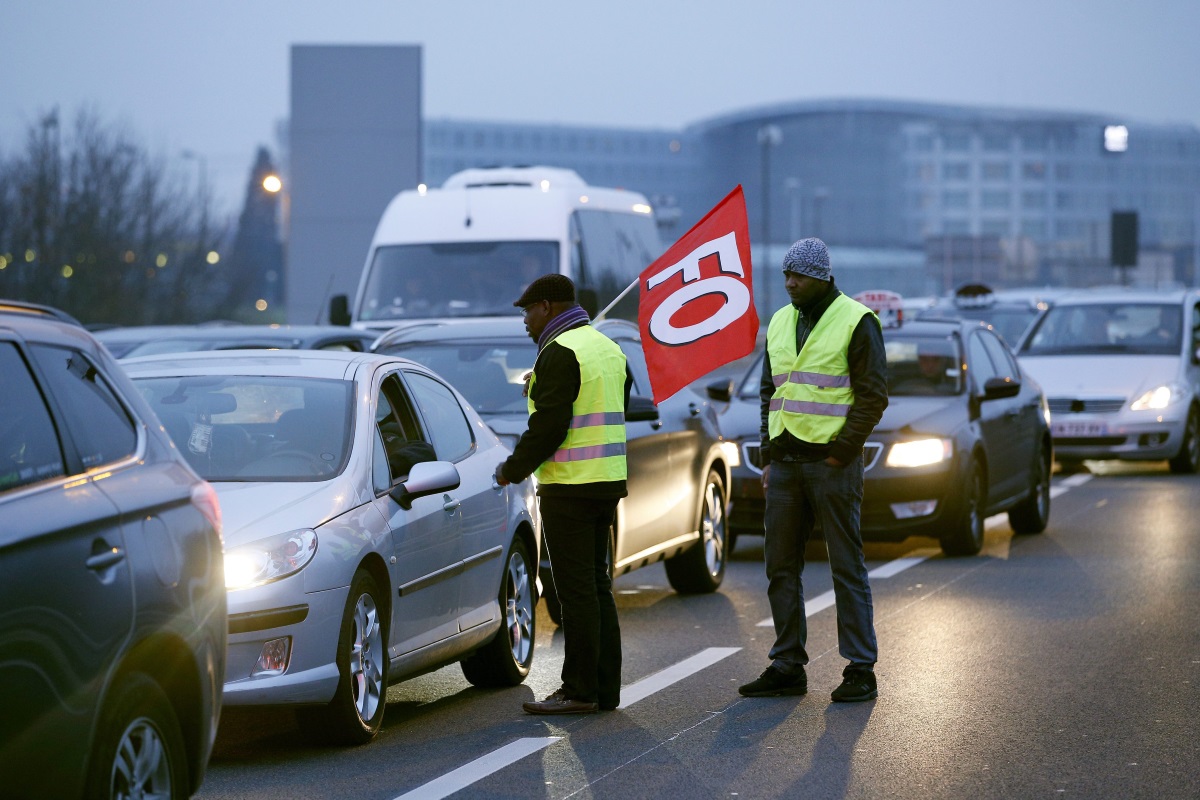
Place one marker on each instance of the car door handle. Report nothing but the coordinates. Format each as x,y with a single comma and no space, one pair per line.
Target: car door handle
106,559
451,504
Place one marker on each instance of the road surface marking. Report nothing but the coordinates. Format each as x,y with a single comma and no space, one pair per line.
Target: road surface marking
478,769
660,680
825,599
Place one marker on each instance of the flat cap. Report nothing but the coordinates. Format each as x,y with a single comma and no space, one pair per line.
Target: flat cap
553,287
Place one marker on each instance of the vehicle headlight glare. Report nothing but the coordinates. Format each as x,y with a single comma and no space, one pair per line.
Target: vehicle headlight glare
1158,397
920,453
269,559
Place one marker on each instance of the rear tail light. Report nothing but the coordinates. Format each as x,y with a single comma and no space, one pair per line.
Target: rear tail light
204,498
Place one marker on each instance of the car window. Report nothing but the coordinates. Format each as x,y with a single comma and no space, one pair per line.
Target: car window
636,360
29,449
448,426
490,376
256,428
752,380
922,366
979,362
1101,328
399,443
100,426
1195,329
1004,363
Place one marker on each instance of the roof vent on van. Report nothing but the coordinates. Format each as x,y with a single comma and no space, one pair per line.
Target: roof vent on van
493,177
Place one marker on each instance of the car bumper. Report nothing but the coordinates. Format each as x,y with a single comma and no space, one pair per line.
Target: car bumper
1097,436
310,623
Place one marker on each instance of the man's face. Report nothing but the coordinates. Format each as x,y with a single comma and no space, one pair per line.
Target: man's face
803,289
536,316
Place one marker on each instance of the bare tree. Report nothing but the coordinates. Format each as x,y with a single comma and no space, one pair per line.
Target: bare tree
92,223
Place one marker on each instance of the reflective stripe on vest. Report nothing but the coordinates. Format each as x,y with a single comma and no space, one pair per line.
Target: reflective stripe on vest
594,448
812,388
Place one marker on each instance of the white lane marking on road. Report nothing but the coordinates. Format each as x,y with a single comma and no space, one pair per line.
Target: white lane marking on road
481,767
660,680
825,599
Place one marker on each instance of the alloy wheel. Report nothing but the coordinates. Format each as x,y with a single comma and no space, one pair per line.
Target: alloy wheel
518,614
366,658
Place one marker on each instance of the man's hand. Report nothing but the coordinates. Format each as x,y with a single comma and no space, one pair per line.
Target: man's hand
498,476
833,462
766,471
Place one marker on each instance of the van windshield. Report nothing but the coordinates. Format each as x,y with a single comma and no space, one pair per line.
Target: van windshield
454,279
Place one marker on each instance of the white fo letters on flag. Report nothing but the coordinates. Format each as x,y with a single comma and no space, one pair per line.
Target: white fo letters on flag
735,292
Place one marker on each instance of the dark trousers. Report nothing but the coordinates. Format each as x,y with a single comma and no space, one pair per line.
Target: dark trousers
576,532
798,495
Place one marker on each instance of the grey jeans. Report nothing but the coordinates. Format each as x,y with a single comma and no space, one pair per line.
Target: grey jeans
799,495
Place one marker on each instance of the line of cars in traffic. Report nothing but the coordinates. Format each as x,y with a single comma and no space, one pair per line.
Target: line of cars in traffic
365,541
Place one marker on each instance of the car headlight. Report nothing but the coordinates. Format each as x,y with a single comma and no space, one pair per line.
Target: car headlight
920,453
269,559
1159,397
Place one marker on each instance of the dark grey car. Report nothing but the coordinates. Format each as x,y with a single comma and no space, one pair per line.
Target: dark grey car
152,340
112,595
679,464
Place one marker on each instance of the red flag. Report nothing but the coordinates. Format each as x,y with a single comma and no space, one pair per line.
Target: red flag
696,306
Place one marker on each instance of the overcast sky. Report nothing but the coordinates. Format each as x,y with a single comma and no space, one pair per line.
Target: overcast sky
211,76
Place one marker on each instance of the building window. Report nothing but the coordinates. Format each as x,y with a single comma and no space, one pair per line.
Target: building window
955,199
1064,200
994,198
996,170
1033,199
956,171
956,227
1033,142
1070,229
996,142
1033,228
922,143
995,227
1062,172
956,142
1034,170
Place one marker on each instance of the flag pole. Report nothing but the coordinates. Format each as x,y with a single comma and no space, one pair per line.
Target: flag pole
616,300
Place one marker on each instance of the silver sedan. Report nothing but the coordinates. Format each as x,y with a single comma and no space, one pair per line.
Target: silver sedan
365,539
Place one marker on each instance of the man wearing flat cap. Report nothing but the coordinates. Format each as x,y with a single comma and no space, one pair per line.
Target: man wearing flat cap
575,447
823,390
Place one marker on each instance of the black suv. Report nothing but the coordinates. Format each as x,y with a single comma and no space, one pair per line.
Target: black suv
112,595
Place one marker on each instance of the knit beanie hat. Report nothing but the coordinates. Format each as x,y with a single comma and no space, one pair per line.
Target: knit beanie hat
808,257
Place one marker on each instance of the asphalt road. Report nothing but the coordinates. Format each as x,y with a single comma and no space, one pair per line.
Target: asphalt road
1061,664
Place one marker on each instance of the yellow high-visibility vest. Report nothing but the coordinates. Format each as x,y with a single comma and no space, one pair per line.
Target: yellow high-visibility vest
594,450
812,388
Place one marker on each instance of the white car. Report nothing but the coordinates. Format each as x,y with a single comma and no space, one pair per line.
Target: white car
365,538
1121,372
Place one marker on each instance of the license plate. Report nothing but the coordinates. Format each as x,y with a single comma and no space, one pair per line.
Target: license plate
1067,430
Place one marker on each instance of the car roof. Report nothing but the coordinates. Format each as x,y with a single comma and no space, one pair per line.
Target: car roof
934,326
44,324
1126,294
226,333
429,331
330,364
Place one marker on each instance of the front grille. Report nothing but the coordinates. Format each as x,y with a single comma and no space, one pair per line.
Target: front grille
1094,405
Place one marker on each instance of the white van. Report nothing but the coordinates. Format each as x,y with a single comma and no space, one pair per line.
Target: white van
470,248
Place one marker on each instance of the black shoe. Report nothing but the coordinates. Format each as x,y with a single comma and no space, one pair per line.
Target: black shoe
857,685
773,683
609,703
559,703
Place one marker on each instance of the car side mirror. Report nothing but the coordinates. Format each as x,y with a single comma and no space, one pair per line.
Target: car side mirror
721,390
339,310
641,409
997,388
426,478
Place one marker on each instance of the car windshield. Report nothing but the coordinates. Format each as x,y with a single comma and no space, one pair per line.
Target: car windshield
921,366
455,279
490,376
1107,328
244,428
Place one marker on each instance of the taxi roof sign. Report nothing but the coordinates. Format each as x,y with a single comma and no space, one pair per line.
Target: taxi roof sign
887,305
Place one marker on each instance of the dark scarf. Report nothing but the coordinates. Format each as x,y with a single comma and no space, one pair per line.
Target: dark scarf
573,317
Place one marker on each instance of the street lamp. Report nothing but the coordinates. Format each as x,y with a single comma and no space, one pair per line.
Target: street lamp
768,136
819,195
795,220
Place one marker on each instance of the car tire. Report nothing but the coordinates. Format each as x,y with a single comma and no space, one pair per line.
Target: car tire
1032,514
506,658
701,567
139,746
1187,460
966,536
355,714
